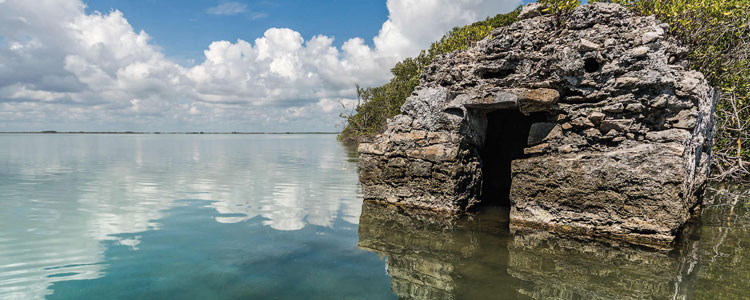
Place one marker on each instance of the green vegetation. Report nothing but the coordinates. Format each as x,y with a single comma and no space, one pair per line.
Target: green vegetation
559,6
377,104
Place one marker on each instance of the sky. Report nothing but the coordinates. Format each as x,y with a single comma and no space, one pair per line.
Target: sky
207,65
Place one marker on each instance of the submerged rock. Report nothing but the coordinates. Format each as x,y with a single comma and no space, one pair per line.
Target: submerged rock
605,130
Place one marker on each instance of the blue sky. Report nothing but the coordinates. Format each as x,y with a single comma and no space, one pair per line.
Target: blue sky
184,28
207,65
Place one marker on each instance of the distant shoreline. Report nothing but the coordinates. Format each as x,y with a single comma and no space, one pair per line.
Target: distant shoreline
157,132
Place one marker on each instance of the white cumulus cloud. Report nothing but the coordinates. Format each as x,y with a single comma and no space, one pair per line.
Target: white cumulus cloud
62,68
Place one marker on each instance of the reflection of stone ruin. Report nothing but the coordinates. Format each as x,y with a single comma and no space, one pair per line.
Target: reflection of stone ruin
436,258
458,258
593,127
560,268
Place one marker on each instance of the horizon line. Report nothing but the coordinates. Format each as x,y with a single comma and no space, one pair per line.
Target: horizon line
167,132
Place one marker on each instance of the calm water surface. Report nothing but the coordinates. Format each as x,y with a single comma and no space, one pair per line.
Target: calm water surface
281,217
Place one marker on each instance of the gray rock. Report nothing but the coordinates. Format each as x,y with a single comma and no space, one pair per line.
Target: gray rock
555,133
539,132
614,108
530,11
670,135
538,100
611,133
634,107
592,133
587,45
597,117
614,149
660,101
658,170
421,168
685,119
651,36
582,122
538,149
618,125
566,149
626,81
506,99
640,51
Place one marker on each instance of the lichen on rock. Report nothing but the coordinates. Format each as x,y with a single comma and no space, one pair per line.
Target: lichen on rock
615,129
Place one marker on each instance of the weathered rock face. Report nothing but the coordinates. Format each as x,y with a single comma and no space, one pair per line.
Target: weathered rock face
602,126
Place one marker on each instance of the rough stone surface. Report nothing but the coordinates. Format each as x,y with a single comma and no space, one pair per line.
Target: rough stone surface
538,100
623,132
530,11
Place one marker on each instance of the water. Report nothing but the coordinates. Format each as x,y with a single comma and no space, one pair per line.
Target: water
281,217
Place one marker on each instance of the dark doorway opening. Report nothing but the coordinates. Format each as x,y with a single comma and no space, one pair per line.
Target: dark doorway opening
506,137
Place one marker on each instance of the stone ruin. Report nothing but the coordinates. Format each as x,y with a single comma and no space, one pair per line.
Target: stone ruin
594,127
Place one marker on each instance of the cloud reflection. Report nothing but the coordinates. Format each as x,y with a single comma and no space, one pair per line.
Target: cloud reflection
68,193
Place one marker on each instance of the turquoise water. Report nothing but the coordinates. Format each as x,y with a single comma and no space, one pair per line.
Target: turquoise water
182,217
281,217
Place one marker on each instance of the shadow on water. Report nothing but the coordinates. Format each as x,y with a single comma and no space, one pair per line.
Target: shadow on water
432,256
351,151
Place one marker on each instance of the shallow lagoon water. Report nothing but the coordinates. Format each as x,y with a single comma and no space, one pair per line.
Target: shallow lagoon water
281,217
